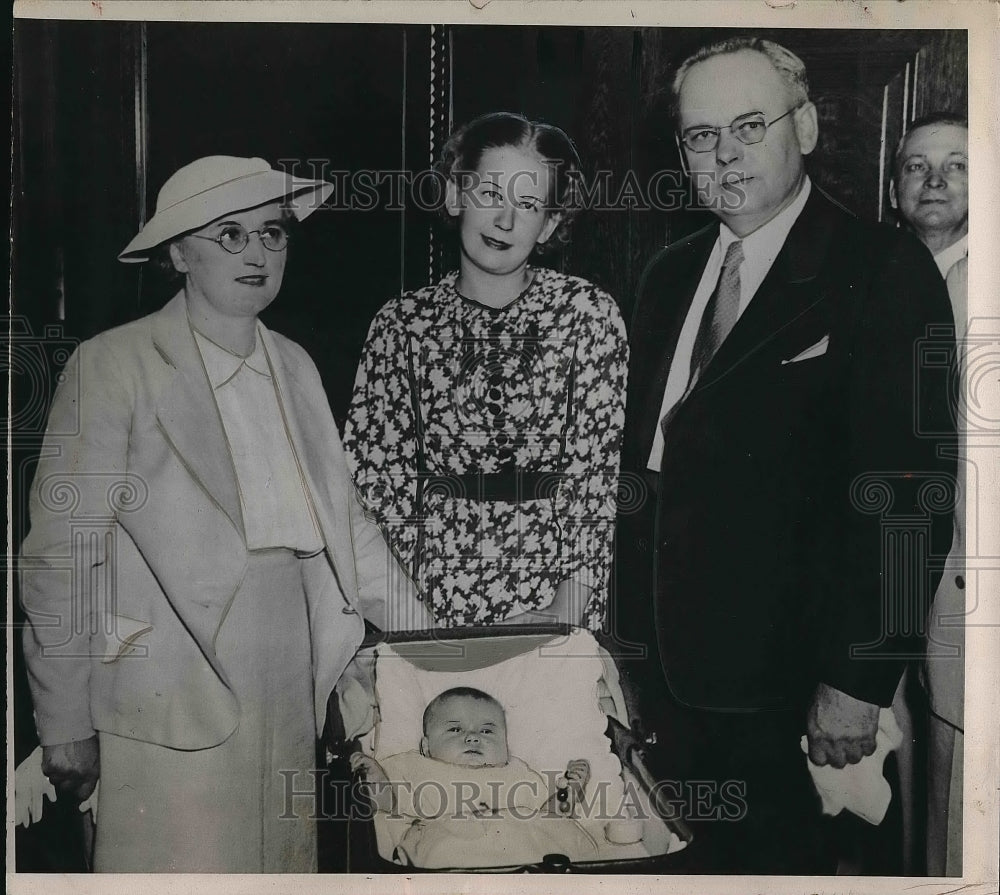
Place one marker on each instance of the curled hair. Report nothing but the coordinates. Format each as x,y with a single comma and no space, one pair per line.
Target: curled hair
928,120
161,262
457,692
466,146
791,69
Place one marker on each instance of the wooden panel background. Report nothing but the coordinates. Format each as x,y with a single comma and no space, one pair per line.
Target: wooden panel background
934,80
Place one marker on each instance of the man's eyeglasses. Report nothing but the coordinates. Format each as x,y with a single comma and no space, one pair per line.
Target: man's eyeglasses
234,239
749,129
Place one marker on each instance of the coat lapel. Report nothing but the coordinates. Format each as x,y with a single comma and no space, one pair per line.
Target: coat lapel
786,293
188,414
316,444
663,325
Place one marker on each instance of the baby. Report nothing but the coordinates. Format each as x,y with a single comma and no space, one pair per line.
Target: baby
463,771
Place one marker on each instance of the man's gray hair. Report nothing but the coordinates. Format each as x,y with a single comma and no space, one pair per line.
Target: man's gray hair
785,62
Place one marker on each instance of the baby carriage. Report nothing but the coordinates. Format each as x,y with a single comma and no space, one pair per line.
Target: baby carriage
563,699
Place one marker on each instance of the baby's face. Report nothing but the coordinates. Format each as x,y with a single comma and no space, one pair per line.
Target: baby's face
468,732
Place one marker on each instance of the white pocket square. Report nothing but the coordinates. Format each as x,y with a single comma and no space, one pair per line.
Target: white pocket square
812,351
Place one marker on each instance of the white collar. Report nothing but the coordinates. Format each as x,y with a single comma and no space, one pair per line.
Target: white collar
766,241
222,364
947,257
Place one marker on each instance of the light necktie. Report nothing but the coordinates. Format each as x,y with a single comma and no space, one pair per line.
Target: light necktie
721,313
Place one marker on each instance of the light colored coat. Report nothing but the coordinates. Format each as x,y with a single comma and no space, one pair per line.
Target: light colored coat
137,547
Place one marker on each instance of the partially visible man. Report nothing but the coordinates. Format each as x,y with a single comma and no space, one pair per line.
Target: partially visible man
930,191
771,405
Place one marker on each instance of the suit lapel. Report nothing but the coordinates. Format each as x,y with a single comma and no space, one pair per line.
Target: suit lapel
787,292
664,324
188,414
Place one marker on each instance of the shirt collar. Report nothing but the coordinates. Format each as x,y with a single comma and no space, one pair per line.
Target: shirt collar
765,242
946,258
222,365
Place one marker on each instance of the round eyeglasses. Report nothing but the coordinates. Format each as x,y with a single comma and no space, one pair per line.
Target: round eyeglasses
234,238
749,129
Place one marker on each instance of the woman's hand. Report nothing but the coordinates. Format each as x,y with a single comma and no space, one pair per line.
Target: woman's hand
403,608
31,787
570,603
566,608
422,618
74,768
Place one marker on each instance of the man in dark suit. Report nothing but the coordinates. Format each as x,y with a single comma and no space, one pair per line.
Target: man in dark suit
774,410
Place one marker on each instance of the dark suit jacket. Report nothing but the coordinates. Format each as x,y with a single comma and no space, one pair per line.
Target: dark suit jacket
768,547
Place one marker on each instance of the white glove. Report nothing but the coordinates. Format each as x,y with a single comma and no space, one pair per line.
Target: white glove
90,803
30,788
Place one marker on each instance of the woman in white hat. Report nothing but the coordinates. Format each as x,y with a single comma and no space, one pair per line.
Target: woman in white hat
198,568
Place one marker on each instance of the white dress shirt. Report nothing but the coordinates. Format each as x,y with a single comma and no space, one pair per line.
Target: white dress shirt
760,248
946,259
276,508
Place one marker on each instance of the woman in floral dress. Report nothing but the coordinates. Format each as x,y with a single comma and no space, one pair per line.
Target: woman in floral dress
486,420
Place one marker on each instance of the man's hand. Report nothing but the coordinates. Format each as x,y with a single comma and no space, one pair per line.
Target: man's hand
73,768
841,729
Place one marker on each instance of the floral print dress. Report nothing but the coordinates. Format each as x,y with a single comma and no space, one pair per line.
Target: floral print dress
486,442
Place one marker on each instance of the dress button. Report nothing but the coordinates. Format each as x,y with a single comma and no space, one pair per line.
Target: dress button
959,582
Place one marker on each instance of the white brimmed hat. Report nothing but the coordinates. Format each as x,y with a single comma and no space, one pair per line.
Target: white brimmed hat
216,185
